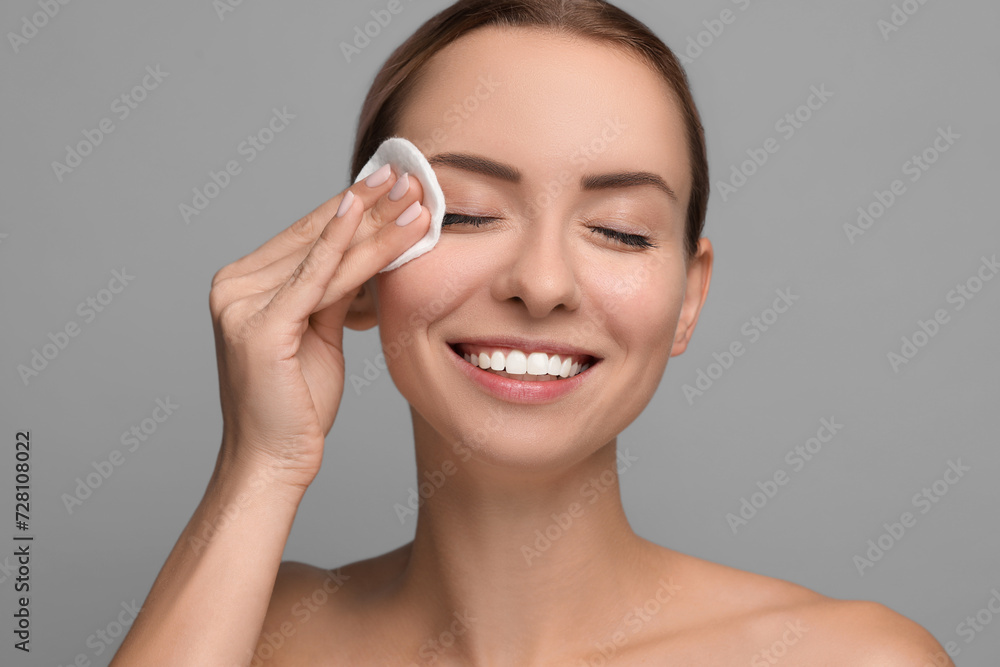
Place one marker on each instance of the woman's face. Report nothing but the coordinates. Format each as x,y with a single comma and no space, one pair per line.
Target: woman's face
554,110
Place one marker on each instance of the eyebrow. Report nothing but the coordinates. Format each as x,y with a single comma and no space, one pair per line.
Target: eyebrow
482,165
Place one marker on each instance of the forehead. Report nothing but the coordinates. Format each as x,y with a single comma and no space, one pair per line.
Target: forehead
545,102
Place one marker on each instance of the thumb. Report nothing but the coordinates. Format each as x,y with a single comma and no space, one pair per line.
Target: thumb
329,322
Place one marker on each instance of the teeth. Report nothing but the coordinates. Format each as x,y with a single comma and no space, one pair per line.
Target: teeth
555,365
537,366
497,361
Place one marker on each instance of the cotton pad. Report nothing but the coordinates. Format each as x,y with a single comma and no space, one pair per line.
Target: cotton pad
405,157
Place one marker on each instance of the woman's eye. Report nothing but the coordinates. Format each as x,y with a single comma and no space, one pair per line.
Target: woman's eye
459,219
632,240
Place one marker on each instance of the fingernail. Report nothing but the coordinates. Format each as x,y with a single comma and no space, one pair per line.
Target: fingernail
345,204
410,214
379,177
400,188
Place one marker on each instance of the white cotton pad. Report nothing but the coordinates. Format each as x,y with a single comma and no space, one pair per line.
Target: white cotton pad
407,158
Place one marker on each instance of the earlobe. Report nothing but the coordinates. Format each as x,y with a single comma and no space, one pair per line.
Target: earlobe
361,314
699,275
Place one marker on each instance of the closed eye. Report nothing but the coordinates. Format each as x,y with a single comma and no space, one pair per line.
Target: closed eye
633,240
461,219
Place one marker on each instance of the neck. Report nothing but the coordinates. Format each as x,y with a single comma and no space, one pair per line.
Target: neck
520,563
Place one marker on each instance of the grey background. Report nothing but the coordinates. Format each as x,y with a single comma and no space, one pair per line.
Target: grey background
825,357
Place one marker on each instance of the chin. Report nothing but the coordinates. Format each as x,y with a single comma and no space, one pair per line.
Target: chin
482,430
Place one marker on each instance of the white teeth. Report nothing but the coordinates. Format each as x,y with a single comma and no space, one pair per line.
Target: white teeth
497,361
554,365
537,364
517,362
533,366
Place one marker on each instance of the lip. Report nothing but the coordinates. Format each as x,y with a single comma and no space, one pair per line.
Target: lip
526,392
527,345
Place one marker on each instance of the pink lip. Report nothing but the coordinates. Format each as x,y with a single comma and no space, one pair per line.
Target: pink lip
521,391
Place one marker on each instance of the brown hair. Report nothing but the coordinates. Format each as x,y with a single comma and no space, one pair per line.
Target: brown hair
595,19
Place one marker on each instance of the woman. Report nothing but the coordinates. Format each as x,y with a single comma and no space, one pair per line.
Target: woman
576,195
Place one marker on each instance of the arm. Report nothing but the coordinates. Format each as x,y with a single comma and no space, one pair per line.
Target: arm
278,315
207,605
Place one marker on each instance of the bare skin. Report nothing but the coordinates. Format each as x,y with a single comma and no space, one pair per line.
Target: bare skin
477,586
563,605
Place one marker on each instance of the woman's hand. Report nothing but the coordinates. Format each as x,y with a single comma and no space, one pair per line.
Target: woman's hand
279,313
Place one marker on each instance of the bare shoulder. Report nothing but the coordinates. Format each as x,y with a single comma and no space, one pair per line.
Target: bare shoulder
313,609
304,597
762,619
870,634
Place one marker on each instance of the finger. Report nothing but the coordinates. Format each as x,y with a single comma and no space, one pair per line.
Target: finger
304,231
372,255
406,190
385,211
320,276
388,208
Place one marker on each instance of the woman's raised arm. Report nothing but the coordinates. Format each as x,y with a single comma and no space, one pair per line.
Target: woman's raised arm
278,315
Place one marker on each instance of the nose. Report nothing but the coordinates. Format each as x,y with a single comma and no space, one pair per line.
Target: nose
540,272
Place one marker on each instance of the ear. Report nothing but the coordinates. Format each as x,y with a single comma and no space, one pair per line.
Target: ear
361,314
699,275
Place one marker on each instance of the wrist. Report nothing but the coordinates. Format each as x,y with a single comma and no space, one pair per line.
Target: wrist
241,474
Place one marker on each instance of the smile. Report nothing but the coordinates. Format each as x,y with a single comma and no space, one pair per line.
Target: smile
521,376
521,365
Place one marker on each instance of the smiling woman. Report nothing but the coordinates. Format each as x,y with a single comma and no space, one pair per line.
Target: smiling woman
576,268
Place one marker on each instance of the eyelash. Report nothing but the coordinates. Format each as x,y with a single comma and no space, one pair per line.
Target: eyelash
632,240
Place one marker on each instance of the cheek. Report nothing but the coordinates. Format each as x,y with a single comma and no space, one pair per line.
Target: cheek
399,295
420,292
643,307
